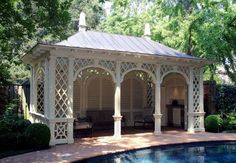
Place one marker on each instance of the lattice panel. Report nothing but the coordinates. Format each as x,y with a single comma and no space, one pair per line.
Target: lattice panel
149,67
150,94
61,92
80,63
40,91
196,90
125,66
184,69
110,65
60,131
165,69
196,120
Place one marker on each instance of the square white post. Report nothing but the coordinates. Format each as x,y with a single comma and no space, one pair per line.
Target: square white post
32,89
157,115
201,100
46,89
117,113
190,102
70,101
52,64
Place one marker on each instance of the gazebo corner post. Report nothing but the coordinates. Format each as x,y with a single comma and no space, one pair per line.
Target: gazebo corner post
201,101
117,103
46,90
157,115
70,119
32,90
51,112
190,103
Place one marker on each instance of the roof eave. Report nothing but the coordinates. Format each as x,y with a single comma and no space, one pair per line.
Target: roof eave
40,48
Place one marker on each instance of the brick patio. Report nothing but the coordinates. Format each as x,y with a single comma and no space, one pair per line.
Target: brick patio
94,146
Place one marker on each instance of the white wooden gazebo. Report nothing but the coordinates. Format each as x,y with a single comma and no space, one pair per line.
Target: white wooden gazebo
65,79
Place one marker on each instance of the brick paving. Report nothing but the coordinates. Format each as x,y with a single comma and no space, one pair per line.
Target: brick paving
94,146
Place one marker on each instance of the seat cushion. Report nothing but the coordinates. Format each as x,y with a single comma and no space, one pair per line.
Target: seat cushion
82,125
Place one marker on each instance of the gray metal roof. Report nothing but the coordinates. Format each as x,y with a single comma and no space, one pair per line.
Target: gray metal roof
122,43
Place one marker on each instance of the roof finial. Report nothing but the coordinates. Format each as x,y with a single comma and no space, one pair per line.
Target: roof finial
82,23
147,31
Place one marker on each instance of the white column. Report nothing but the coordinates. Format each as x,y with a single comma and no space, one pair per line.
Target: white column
117,113
31,88
190,103
157,115
46,89
201,100
70,101
52,64
70,88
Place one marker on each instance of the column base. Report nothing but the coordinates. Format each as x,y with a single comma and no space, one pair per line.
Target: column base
157,130
200,130
157,133
117,127
70,141
191,131
52,143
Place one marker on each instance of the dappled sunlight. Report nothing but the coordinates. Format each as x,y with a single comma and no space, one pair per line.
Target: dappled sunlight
94,146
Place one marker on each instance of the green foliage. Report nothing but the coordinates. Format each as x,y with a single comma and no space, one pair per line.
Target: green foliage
93,10
11,122
225,98
38,135
213,123
230,122
25,22
4,74
206,29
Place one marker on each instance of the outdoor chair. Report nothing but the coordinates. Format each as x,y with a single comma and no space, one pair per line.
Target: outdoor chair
145,119
83,124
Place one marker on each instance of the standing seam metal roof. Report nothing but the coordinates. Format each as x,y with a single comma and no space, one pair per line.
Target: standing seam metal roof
115,42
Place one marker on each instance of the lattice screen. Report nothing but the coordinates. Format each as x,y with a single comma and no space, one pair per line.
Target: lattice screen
150,94
81,63
184,69
196,121
40,91
125,66
166,68
196,90
110,65
61,92
60,131
149,67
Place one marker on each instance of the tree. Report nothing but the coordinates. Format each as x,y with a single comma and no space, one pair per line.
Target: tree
25,22
201,28
93,10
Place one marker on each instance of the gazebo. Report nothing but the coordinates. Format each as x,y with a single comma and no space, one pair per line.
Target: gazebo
125,74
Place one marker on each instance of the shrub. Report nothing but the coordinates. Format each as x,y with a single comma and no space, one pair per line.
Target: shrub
22,125
11,141
3,127
225,98
38,135
230,122
213,123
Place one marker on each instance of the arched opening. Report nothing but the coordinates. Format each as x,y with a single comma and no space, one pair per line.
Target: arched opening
174,100
93,100
137,99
